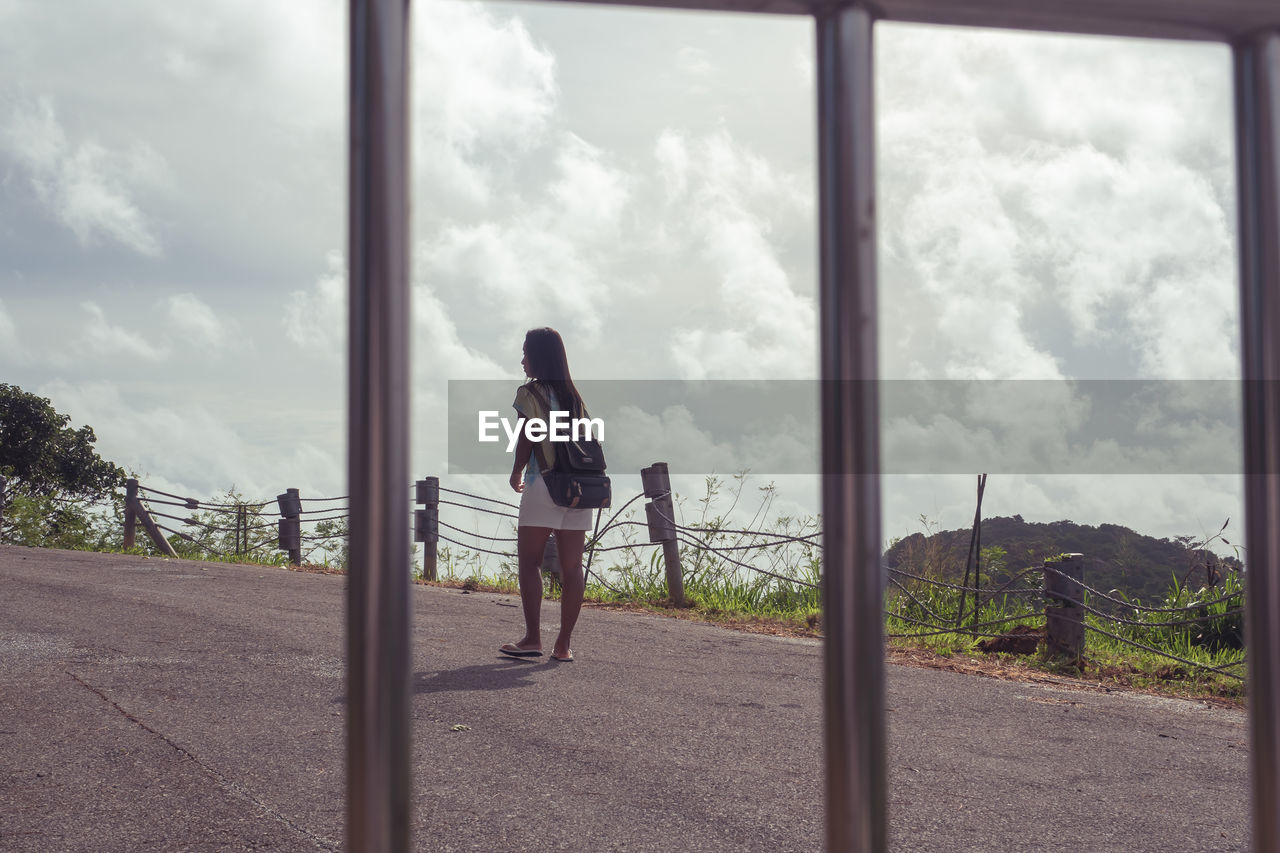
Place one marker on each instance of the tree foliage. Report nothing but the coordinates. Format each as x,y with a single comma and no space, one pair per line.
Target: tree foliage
59,492
43,456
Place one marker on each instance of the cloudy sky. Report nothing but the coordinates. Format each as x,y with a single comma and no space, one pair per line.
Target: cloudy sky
172,225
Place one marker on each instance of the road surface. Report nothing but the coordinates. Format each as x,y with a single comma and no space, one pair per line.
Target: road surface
150,704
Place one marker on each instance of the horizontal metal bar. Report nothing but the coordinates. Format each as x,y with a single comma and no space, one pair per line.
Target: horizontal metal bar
1204,20
1200,20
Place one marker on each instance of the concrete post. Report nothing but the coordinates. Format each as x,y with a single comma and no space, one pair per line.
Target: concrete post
426,523
290,525
660,512
1064,614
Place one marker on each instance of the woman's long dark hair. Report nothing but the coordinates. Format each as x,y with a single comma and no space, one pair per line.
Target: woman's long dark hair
548,364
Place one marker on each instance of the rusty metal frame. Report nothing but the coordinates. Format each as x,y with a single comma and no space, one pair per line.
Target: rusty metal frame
378,786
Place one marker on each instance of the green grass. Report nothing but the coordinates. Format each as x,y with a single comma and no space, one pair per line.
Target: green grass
1211,643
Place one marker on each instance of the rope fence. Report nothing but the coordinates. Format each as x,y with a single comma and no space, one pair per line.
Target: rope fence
1055,602
236,529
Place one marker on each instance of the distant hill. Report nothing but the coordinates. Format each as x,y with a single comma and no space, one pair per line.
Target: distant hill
1116,557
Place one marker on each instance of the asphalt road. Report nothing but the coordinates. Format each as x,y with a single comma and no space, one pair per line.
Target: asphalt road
151,704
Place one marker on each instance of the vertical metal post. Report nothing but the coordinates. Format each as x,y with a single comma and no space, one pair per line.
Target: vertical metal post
856,784
1257,84
378,605
3,496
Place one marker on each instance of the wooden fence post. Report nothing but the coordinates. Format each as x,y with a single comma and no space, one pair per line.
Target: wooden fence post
290,525
130,514
426,523
242,529
974,560
1064,612
133,513
660,513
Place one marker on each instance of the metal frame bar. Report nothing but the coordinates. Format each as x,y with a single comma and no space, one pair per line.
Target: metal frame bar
1257,83
378,603
1199,20
853,586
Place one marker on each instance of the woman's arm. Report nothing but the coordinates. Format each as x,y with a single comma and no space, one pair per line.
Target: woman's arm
524,449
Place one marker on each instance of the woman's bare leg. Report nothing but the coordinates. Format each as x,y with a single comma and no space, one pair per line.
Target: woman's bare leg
530,541
572,586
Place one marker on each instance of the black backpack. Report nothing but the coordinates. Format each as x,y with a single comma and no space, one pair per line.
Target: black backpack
577,480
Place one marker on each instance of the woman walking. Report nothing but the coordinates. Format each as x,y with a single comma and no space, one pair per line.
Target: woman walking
550,386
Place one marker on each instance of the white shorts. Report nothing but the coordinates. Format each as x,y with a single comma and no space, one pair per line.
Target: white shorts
538,510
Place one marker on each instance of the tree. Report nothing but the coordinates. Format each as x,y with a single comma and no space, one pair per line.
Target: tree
43,456
54,477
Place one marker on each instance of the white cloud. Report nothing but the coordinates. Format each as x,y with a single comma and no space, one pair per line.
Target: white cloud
947,238
1040,218
100,337
722,203
651,435
190,448
672,153
521,271
438,351
484,92
197,322
547,259
316,320
694,61
89,188
289,53
1143,240
1153,505
804,63
250,172
588,195
440,356
10,347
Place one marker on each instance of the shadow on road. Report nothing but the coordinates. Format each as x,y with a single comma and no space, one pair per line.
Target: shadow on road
499,675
